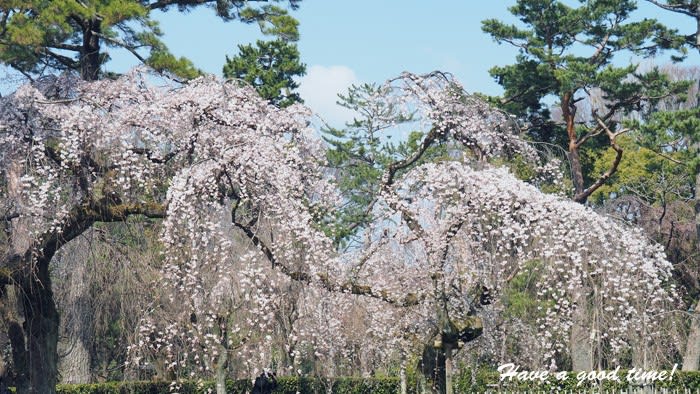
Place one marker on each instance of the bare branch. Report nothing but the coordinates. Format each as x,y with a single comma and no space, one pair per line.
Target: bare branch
667,157
152,158
66,47
410,299
9,216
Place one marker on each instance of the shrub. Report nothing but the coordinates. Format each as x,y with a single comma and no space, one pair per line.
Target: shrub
484,381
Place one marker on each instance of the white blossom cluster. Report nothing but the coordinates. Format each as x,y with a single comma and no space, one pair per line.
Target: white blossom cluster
485,227
441,104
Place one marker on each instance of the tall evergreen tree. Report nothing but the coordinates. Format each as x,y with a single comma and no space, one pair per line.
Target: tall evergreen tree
37,37
567,52
361,152
270,66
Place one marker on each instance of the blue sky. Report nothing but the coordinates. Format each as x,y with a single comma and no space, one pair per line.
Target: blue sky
344,42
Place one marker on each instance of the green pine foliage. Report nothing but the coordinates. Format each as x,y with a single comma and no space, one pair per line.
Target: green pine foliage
566,52
687,8
360,153
270,66
676,132
45,36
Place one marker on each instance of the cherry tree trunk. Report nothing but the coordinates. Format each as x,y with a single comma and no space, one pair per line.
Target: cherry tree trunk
692,349
35,337
402,376
432,368
580,344
34,342
74,301
221,373
449,372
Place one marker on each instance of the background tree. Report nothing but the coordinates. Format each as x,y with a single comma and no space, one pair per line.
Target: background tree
565,52
40,37
656,187
360,152
271,66
674,133
103,286
426,224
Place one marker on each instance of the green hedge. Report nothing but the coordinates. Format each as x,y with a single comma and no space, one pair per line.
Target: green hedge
488,381
484,381
286,385
188,387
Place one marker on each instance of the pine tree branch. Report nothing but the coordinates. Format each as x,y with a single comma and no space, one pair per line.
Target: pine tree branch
122,44
680,8
65,47
64,60
160,4
612,136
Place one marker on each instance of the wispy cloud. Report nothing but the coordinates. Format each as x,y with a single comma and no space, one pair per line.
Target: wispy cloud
320,87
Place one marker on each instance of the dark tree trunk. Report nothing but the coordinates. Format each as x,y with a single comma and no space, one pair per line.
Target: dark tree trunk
691,359
90,57
34,342
569,114
436,363
697,205
19,356
432,366
42,335
576,174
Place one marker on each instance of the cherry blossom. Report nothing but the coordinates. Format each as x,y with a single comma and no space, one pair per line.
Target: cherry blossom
243,192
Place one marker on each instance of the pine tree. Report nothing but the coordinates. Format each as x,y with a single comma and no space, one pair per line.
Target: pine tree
361,152
39,37
271,66
567,52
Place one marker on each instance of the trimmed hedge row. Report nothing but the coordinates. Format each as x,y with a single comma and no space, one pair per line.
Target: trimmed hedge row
488,381
480,382
286,385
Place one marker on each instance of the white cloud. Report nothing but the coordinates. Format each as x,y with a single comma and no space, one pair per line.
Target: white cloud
320,87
